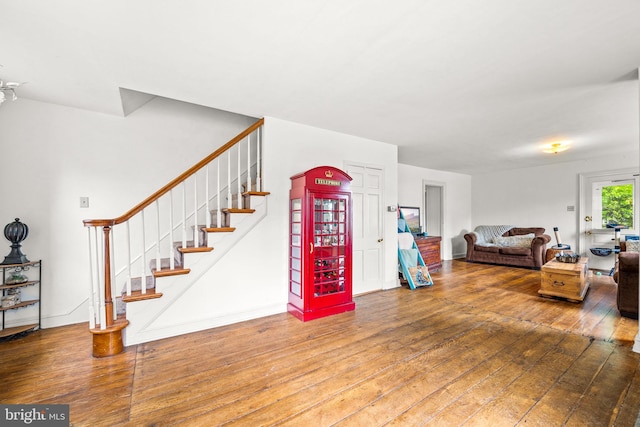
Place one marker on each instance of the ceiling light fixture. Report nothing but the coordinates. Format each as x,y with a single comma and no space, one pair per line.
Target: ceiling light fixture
556,147
7,91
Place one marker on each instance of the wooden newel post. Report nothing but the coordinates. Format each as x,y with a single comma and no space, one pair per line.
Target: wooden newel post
108,302
107,338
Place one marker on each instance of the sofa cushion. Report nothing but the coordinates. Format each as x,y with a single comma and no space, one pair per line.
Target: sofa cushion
516,251
632,245
525,230
523,241
492,249
485,233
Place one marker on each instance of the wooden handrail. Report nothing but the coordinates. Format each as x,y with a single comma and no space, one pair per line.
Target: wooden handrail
155,196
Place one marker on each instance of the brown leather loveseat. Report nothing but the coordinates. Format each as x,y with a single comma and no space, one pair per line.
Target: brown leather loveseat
626,276
517,246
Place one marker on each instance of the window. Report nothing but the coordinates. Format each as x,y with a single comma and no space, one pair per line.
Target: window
613,204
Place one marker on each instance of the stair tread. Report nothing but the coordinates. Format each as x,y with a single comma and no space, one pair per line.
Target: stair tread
219,229
139,296
169,272
256,193
190,249
236,210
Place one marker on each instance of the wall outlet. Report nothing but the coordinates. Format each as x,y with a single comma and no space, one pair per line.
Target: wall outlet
84,202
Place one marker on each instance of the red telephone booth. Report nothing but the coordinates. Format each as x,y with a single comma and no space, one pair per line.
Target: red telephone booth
320,238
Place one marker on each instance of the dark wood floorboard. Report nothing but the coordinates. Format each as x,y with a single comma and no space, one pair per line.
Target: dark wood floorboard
479,348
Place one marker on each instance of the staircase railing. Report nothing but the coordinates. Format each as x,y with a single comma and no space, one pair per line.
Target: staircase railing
134,247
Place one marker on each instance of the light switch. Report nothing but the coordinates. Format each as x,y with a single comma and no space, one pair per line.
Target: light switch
84,202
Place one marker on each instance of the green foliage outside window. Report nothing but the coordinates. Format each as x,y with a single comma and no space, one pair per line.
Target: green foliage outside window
617,205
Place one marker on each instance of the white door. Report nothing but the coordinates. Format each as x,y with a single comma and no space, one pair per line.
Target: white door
599,209
368,244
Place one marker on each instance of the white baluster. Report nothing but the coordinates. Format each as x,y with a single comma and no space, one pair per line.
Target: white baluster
239,179
94,288
129,261
195,211
259,159
171,248
218,195
184,215
207,208
112,271
229,178
248,162
143,285
158,237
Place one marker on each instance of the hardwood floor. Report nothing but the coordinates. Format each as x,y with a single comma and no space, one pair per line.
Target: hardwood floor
478,348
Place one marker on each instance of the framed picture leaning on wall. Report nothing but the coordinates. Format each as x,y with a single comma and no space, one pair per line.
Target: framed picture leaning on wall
411,216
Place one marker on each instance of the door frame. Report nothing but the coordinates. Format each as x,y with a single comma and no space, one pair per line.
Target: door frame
583,180
442,186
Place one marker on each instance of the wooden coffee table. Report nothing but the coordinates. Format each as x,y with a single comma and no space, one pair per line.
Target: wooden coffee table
565,280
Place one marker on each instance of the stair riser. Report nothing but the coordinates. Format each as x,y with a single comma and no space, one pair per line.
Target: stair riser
223,219
246,201
165,262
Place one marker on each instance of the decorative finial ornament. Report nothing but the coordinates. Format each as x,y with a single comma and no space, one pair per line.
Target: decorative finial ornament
15,232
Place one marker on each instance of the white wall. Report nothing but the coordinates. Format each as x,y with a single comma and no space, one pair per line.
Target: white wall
293,148
538,197
52,155
456,198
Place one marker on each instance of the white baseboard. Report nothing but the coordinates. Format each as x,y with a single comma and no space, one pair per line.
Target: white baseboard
201,325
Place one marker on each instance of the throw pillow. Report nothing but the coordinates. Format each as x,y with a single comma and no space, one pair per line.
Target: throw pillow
521,241
633,245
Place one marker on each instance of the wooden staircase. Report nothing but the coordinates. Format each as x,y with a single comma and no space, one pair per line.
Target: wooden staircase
165,269
157,237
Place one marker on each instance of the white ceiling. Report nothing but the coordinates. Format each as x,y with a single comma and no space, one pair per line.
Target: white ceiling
467,86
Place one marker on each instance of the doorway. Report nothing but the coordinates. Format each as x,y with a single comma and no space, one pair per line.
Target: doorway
433,209
608,199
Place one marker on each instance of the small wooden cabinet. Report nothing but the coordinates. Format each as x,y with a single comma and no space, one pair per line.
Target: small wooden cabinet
320,244
21,289
429,247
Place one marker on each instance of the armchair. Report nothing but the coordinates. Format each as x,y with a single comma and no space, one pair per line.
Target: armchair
626,276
